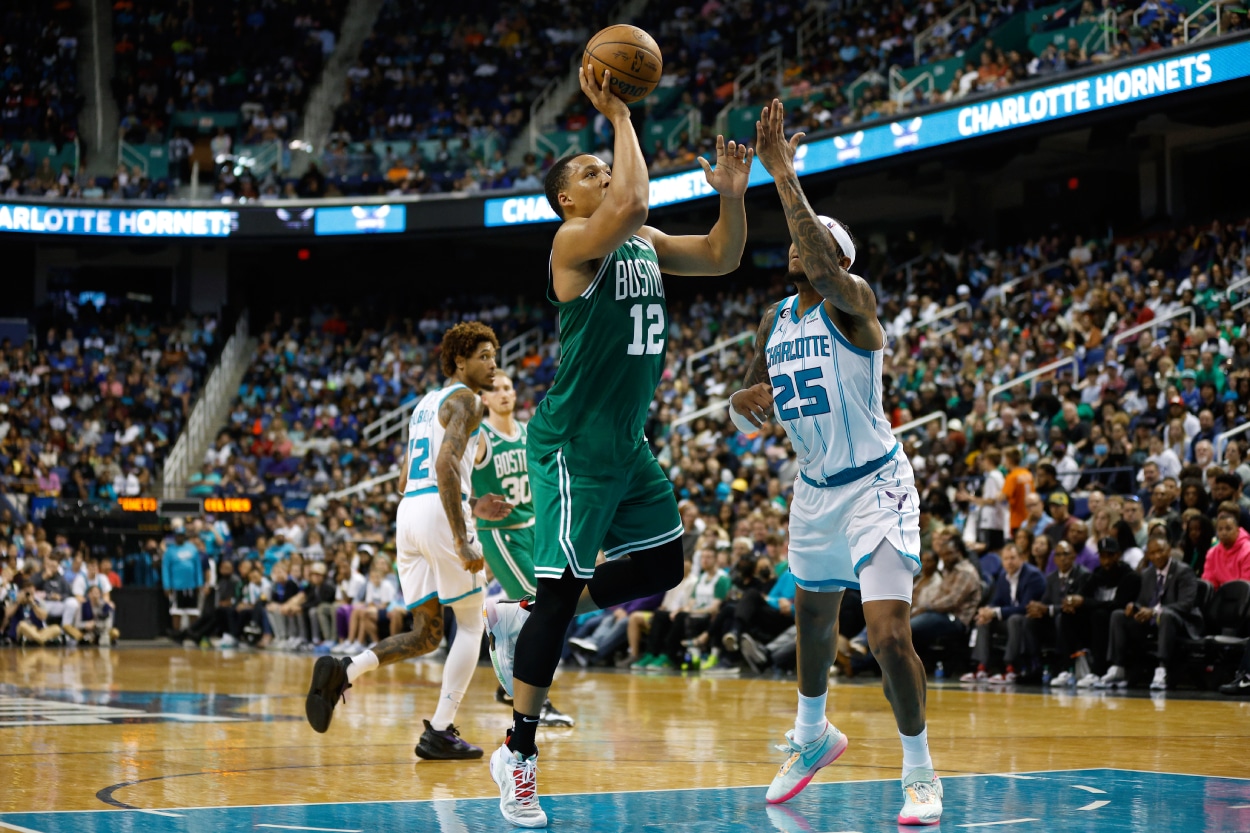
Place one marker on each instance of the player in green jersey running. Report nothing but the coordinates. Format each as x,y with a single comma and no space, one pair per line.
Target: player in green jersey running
502,467
595,482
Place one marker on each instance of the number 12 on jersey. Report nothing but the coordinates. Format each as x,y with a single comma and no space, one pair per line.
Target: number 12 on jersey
654,317
813,400
418,458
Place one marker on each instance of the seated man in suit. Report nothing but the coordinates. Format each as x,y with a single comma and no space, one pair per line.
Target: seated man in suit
1110,588
1167,603
1018,584
1042,619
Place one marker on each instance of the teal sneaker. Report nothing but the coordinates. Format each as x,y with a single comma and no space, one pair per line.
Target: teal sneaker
922,804
804,762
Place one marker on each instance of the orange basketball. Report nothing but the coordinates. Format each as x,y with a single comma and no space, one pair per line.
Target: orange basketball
633,57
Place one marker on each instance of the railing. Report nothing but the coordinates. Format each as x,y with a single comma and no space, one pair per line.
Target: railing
385,425
908,427
1242,303
514,349
1221,440
921,39
819,21
1234,286
1014,282
943,314
178,464
718,348
718,405
1153,324
363,485
869,78
691,123
900,87
752,74
1044,370
1107,31
128,156
1190,20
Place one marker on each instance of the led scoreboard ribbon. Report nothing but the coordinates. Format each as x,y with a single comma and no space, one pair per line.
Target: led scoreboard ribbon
215,505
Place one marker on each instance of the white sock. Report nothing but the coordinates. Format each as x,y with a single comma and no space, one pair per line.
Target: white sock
360,664
810,721
461,661
916,751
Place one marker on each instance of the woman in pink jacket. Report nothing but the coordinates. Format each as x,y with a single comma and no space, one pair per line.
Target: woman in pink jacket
1228,560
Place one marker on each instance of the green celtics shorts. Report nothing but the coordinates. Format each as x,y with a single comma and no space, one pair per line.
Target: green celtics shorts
510,555
582,509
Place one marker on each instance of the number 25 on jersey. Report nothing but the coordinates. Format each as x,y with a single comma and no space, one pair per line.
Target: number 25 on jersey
813,400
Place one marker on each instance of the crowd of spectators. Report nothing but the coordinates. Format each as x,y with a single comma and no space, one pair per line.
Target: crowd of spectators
92,402
258,58
39,96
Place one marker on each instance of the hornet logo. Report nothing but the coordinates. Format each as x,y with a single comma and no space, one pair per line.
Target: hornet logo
906,135
371,219
848,148
297,221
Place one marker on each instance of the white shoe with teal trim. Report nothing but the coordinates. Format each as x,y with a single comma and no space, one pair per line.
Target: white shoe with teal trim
804,762
517,778
503,623
922,804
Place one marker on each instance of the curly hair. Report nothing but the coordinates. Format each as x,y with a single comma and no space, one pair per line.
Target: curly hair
460,342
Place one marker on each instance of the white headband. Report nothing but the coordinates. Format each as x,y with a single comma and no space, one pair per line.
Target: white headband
841,235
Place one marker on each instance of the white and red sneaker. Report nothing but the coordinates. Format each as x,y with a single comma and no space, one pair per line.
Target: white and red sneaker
517,777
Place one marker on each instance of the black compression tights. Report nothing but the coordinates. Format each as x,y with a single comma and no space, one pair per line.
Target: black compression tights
541,641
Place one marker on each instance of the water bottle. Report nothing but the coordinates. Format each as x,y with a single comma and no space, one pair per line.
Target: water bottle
1046,675
939,673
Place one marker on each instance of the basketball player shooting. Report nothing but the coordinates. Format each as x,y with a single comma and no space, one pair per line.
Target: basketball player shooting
854,520
439,555
596,485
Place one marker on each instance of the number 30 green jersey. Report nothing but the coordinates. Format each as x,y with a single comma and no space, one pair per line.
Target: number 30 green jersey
613,340
505,471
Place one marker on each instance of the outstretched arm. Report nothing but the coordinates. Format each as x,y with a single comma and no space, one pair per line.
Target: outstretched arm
817,249
719,251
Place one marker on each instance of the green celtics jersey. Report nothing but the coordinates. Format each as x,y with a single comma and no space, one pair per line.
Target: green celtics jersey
613,339
505,471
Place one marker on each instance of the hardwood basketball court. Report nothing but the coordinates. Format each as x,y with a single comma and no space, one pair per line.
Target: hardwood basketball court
139,735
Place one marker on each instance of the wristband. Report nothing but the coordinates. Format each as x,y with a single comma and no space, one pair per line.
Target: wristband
740,422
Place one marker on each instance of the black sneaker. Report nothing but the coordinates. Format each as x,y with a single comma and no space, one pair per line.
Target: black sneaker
1239,687
444,746
329,682
551,716
501,696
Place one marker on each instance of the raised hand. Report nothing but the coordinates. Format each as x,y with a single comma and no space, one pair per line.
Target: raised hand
733,168
602,97
774,152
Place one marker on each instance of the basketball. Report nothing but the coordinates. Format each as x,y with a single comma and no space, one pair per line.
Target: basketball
631,54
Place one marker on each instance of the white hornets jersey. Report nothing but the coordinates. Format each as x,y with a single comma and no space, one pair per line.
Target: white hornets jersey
827,395
425,438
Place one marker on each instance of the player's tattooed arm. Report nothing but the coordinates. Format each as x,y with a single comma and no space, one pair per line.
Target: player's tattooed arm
461,415
757,371
819,253
817,248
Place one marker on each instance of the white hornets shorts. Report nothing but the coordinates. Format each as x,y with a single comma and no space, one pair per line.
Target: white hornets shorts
836,528
426,557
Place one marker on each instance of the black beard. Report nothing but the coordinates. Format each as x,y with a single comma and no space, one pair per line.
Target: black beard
798,278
